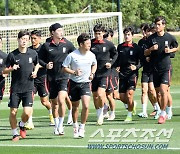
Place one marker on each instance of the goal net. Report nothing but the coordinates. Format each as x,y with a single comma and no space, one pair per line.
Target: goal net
74,25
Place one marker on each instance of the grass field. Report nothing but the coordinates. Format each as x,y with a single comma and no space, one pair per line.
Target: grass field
42,140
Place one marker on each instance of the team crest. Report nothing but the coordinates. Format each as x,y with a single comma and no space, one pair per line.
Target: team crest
104,49
1,61
64,49
30,59
131,52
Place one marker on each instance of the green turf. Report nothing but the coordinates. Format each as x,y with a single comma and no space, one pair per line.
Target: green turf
42,140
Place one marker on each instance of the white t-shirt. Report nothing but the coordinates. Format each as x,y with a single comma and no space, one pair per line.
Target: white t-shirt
75,60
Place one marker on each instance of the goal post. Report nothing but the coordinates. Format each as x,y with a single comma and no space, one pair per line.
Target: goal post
74,25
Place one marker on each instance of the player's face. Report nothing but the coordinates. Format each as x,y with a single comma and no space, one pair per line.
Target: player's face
86,45
148,33
58,33
0,44
160,26
35,40
128,37
23,41
98,35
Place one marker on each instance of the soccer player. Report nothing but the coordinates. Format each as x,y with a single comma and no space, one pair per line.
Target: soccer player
40,82
3,57
23,63
160,45
128,63
53,54
147,85
112,90
106,55
82,65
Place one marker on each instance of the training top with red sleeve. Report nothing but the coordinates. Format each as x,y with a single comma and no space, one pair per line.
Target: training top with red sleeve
56,53
161,60
21,78
105,52
128,54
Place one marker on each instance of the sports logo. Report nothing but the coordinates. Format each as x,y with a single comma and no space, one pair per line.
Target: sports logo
1,61
131,52
30,59
64,49
104,49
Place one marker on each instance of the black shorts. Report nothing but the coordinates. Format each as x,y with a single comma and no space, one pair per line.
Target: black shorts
128,83
2,87
99,82
16,98
147,77
55,86
76,90
161,78
40,86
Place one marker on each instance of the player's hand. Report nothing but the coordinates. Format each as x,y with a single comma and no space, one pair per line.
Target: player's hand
4,75
34,75
91,76
15,66
78,72
132,67
154,47
167,50
108,65
148,59
49,65
118,69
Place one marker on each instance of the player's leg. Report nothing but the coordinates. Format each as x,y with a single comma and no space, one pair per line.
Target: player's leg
69,106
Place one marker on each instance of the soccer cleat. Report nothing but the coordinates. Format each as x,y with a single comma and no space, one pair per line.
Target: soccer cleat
69,121
51,120
100,121
111,117
162,119
143,115
61,130
157,114
153,113
81,133
106,115
29,126
105,112
169,115
76,133
22,131
134,108
56,131
128,119
15,138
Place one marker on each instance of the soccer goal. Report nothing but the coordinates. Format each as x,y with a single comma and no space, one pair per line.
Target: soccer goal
74,25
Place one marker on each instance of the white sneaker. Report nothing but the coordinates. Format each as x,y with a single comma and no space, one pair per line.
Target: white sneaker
69,121
105,112
81,133
56,131
76,133
106,115
169,115
100,120
143,115
111,117
157,114
61,130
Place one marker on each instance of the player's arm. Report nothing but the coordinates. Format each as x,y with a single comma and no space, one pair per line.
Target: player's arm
113,55
93,69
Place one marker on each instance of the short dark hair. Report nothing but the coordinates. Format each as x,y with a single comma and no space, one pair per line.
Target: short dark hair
143,25
36,32
99,28
108,32
82,38
128,29
22,33
159,18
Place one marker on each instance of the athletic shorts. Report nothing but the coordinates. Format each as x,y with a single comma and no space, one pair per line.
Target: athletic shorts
76,90
55,86
161,78
147,77
40,86
2,87
112,83
128,83
99,82
16,98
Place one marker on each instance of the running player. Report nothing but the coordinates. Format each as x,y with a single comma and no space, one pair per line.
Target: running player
23,63
128,63
82,65
106,55
160,45
53,54
40,83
